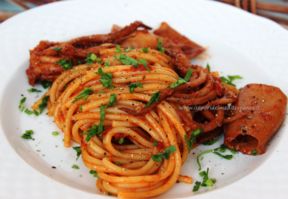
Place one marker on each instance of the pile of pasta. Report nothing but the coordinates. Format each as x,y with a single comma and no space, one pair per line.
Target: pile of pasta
135,121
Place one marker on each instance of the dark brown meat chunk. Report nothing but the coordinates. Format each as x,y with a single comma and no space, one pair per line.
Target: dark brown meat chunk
189,48
265,107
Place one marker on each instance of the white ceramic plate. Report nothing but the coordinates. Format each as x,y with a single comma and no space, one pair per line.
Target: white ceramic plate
237,42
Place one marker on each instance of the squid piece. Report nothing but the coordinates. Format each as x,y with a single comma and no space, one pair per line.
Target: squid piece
265,108
45,56
189,48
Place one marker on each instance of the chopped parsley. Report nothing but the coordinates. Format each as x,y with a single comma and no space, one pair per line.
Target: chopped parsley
65,64
206,181
105,79
107,63
43,104
196,186
192,139
55,133
208,67
84,94
121,140
23,108
184,80
144,63
92,132
28,135
21,105
77,149
112,100
154,98
92,58
159,46
30,112
97,129
132,86
34,90
220,151
126,60
165,154
145,50
75,166
254,152
45,83
57,49
93,173
230,79
118,49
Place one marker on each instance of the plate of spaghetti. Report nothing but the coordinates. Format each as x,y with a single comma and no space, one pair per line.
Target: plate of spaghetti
138,106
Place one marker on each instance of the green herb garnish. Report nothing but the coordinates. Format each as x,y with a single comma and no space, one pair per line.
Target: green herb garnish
126,60
92,58
75,166
208,67
97,129
43,104
65,64
21,105
121,140
106,78
118,49
34,90
93,173
145,50
217,151
132,86
154,98
164,155
144,63
107,63
192,139
254,152
112,100
57,49
196,186
45,83
55,133
84,94
28,135
30,112
184,80
230,79
78,151
159,46
92,132
206,181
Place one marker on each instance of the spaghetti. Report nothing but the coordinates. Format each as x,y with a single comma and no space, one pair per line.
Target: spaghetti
136,105
98,114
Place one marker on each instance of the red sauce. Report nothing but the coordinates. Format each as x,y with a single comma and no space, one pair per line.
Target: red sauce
119,135
160,146
218,87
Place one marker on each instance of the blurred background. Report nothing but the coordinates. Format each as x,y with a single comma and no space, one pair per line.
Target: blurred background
276,10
